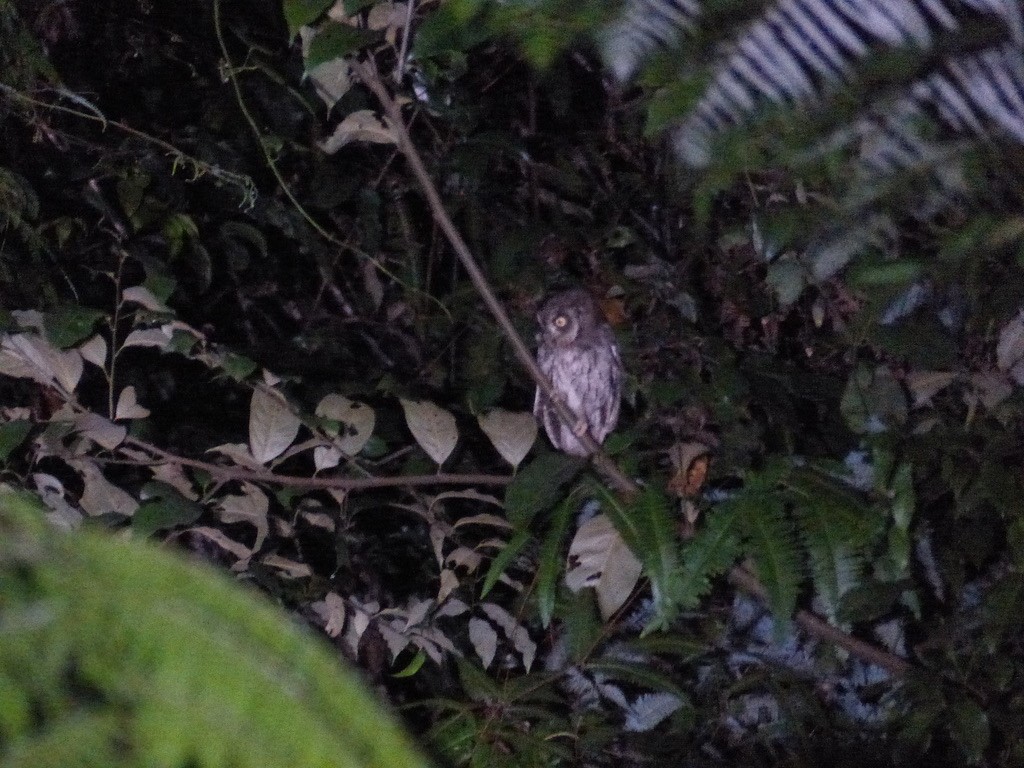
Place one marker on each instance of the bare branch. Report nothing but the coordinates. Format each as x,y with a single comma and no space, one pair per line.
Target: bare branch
223,473
368,74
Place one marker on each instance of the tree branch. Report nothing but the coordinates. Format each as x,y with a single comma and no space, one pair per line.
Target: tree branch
222,472
370,77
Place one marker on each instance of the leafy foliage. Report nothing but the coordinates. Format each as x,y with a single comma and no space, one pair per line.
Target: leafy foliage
233,322
117,654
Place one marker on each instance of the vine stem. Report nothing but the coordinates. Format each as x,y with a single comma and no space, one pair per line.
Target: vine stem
369,75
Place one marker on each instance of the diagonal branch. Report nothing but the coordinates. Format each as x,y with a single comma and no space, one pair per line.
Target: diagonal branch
370,77
742,578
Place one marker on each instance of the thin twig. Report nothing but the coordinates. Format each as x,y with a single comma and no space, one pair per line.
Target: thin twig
370,77
223,473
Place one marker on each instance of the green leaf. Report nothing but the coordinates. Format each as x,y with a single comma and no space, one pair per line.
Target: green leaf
712,551
136,642
539,486
502,560
413,666
873,401
335,40
869,601
13,434
787,277
838,531
898,273
772,543
165,508
299,13
1002,610
238,367
476,684
969,727
352,7
549,569
638,674
70,324
648,529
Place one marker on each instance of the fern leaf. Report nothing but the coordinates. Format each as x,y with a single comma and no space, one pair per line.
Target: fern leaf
799,51
711,552
773,544
838,533
191,670
648,530
644,26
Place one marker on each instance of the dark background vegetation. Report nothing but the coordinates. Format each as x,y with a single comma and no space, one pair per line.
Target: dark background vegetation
140,144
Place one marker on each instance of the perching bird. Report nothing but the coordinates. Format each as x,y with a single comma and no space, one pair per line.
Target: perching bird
577,352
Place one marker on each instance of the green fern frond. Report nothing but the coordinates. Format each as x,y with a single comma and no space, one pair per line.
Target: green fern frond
838,531
712,551
648,530
118,654
773,544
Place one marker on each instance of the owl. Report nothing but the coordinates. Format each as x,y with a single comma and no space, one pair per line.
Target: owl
577,351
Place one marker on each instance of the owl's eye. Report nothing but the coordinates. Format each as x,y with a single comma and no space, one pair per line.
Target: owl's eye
561,321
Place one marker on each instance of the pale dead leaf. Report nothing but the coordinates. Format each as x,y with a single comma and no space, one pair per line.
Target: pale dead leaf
331,611
101,431
433,428
361,125
238,453
689,464
251,506
600,559
483,519
29,318
463,557
61,515
149,337
416,613
395,640
388,16
356,420
1010,349
31,356
289,568
94,351
326,457
512,434
100,496
128,406
452,607
449,581
319,519
272,425
484,640
990,389
222,540
924,385
514,631
175,476
371,282
138,294
332,79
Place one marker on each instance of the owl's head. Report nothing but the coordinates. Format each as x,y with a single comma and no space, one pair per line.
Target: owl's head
565,316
